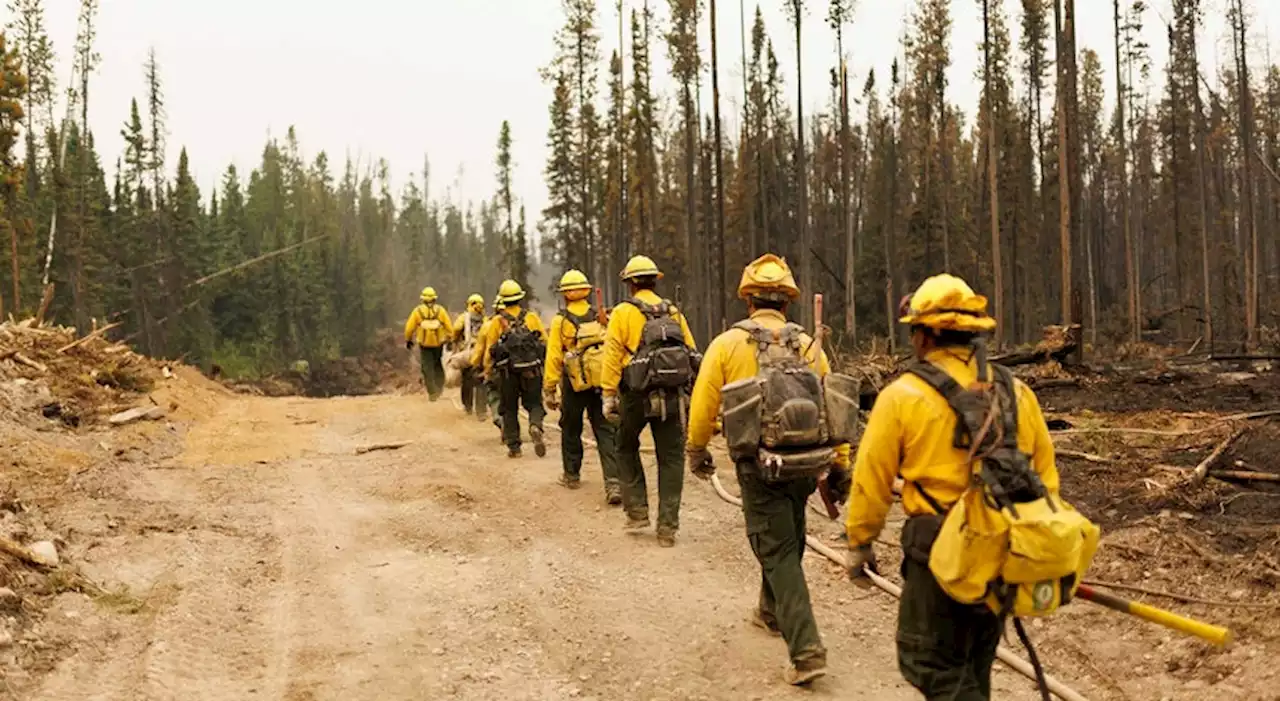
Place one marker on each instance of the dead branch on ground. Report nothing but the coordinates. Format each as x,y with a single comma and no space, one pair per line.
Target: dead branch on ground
1178,597
382,446
1199,474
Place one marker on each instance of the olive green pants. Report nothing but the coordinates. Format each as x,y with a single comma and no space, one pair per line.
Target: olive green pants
473,391
775,516
519,389
668,442
573,405
945,648
493,397
431,362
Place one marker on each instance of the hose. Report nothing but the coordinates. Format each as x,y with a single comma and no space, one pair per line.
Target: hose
1006,656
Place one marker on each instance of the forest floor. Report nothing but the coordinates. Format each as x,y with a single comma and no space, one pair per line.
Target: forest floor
241,548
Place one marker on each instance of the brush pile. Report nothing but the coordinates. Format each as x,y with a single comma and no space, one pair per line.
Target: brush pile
51,372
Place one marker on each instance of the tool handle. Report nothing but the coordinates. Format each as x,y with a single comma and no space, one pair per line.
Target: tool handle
817,325
600,315
1205,631
824,491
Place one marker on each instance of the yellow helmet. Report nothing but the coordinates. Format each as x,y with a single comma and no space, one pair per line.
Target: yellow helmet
769,277
641,266
946,302
510,291
574,280
428,294
474,300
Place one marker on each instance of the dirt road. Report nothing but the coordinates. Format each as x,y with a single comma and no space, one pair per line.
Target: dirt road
268,561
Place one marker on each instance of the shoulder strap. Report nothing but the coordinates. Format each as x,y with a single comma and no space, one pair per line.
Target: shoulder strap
651,311
758,333
938,379
580,319
1005,383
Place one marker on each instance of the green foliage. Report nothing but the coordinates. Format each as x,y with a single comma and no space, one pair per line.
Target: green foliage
293,263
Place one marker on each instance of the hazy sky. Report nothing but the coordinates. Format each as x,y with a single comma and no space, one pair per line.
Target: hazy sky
398,79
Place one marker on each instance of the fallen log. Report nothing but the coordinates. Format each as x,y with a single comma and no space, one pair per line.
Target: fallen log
1082,456
1036,356
24,360
1246,475
1199,474
150,413
382,446
96,334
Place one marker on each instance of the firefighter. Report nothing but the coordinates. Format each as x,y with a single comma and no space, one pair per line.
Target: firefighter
466,332
575,350
511,350
429,328
945,647
774,509
637,398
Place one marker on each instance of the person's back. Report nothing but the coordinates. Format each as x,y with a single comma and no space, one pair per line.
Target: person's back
766,376
911,414
571,383
945,647
636,406
512,349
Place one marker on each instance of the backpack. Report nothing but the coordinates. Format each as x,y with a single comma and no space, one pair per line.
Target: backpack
1006,542
430,330
662,360
779,417
584,362
519,349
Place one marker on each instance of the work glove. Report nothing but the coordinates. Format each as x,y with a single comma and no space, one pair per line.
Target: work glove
838,484
699,462
611,412
408,345
862,559
549,399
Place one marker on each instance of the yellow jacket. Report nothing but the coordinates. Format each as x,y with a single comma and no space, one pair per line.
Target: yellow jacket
413,330
732,357
561,338
492,330
460,327
911,433
623,337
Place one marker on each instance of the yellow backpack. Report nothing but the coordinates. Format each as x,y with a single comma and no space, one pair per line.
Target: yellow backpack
430,330
584,362
1007,542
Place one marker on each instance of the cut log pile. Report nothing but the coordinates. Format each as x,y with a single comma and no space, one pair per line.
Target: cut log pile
55,373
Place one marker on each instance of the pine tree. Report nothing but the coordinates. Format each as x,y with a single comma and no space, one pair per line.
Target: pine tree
644,132
556,222
505,199
13,87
